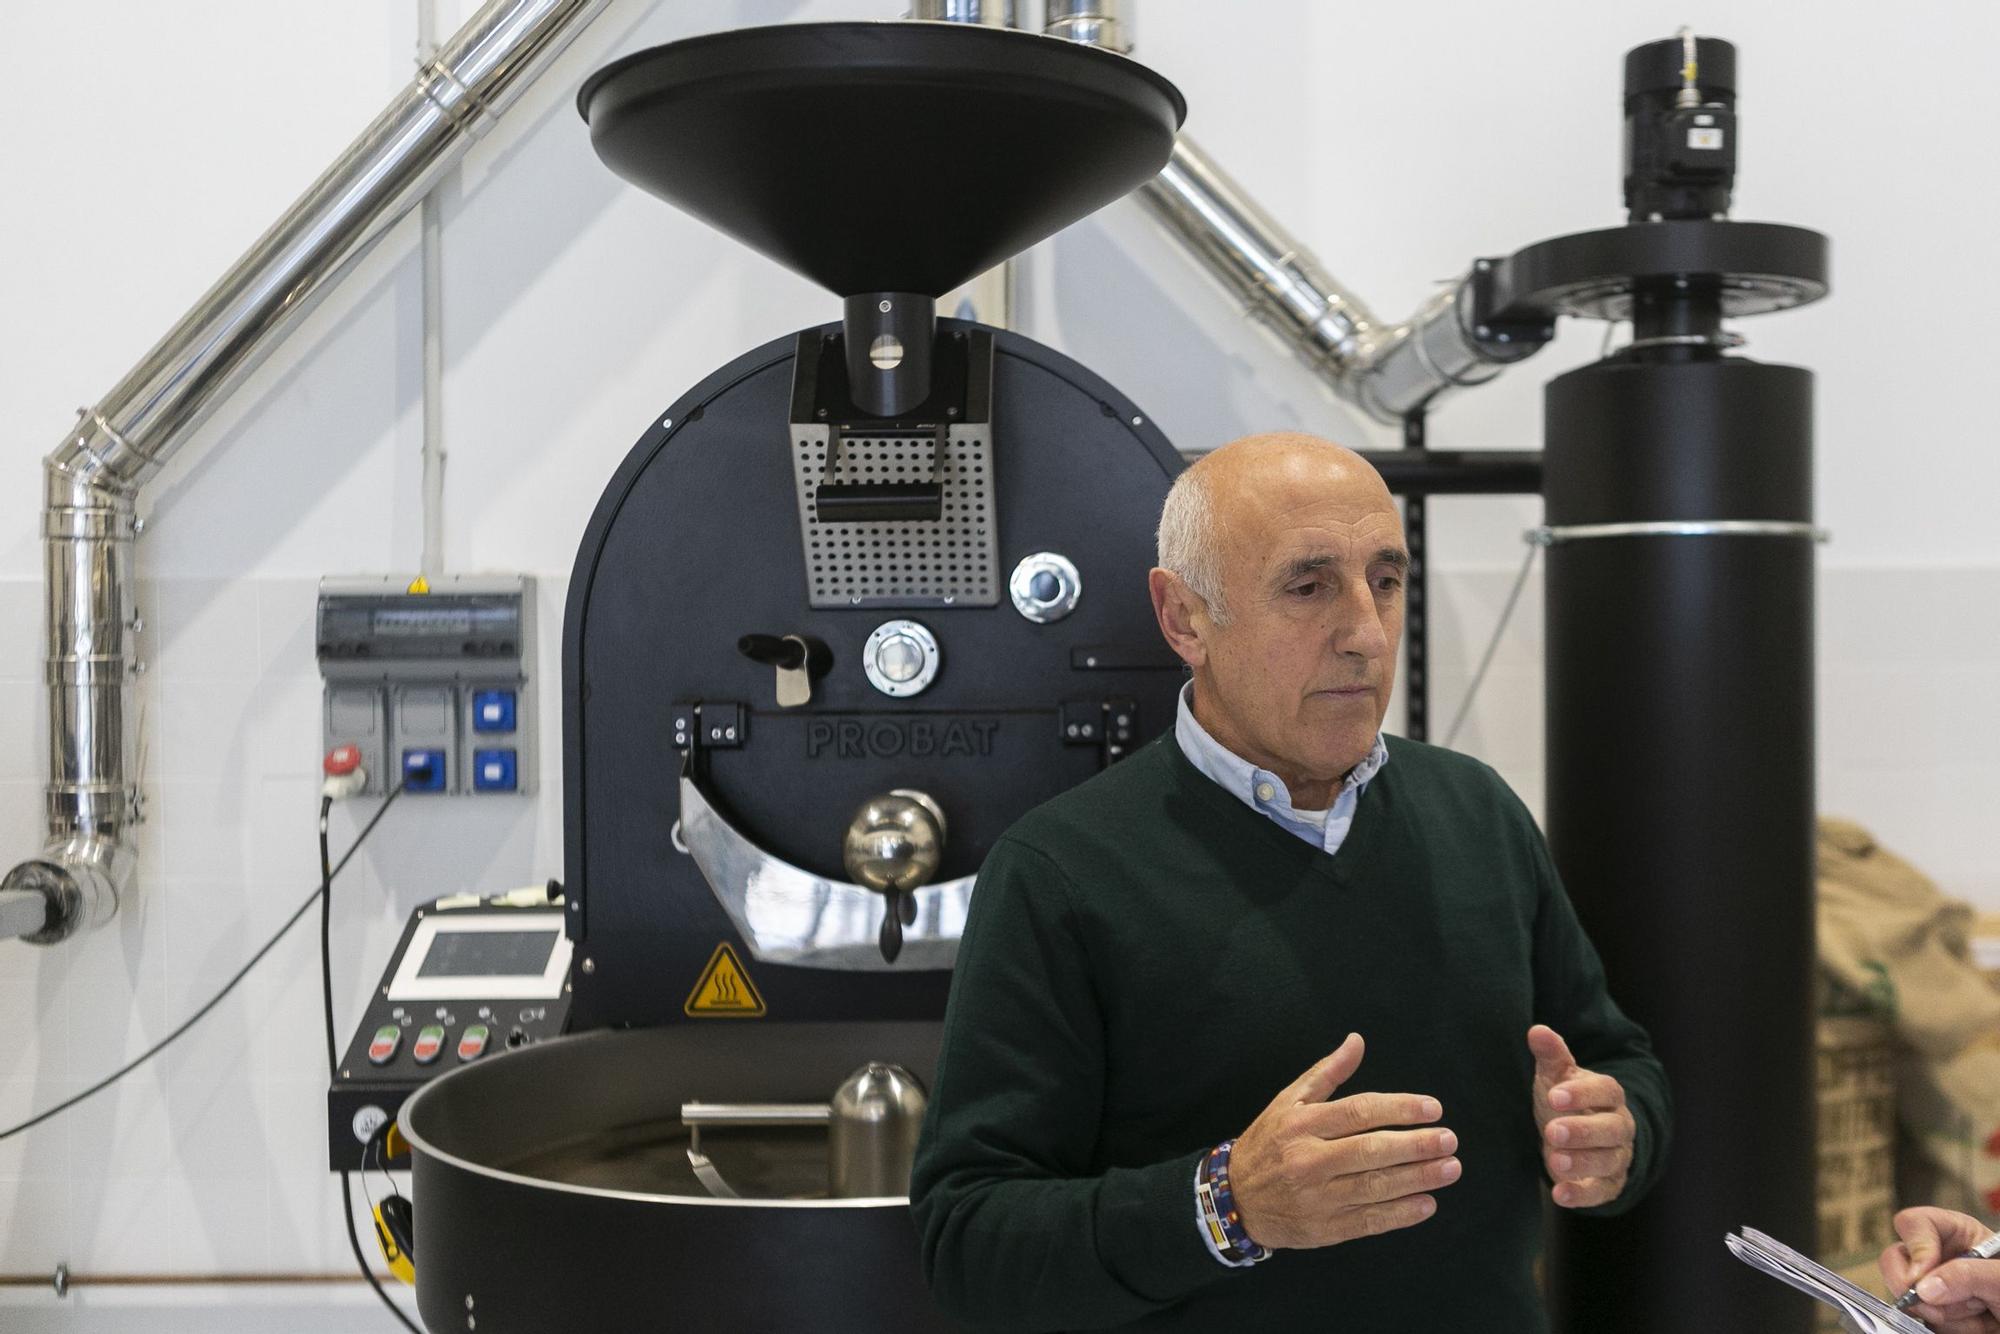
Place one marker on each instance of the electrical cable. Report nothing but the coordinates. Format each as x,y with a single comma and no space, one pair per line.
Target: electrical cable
214,1000
354,1244
1492,647
326,874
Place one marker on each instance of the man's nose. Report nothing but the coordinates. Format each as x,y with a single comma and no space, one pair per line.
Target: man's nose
1357,628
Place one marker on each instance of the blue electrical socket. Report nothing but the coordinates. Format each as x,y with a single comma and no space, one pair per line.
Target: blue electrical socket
494,771
492,710
423,771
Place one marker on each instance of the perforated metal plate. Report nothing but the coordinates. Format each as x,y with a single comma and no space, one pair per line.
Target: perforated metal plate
951,561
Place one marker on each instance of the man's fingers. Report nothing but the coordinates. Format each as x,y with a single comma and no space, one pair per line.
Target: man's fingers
1931,1234
1957,1318
1359,1113
1580,1164
1961,1281
1598,1130
1587,1092
1898,1271
1394,1183
1388,1148
1552,1058
1326,1074
1374,1219
1587,1194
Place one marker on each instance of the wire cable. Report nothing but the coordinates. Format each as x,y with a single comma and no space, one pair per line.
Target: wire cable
354,1244
333,1056
1492,647
214,1000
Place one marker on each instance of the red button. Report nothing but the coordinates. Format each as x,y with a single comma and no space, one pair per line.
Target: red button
430,1041
342,760
473,1043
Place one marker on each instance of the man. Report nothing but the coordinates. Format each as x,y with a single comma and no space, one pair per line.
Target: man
1120,1132
1956,1295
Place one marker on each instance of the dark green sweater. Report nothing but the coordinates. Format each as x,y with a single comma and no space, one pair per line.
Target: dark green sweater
1149,961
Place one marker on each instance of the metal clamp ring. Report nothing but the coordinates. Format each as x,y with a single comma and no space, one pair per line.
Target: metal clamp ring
1555,536
1723,339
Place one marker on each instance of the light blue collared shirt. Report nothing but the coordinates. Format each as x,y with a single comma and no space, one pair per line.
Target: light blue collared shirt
1264,792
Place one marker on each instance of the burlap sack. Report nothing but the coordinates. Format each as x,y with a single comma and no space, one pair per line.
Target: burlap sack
1887,933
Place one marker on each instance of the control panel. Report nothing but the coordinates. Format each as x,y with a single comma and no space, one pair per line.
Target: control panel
471,979
431,680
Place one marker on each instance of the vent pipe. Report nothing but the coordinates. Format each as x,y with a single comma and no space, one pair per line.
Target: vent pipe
93,478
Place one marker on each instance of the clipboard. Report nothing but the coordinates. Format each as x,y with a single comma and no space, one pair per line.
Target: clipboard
1861,1311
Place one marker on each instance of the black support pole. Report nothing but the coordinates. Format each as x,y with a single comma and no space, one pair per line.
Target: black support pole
1416,587
1680,808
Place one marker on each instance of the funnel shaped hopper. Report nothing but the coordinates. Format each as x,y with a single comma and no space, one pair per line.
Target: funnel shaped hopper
883,157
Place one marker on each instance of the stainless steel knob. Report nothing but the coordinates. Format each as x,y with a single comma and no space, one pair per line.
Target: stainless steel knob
894,844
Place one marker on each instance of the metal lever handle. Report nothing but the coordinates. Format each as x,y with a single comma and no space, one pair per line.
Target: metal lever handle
755,1113
787,651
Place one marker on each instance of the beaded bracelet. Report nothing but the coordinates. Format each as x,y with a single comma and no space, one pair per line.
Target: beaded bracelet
1218,1210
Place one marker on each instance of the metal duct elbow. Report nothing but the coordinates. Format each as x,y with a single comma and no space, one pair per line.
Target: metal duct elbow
73,886
1440,348
95,474
1387,372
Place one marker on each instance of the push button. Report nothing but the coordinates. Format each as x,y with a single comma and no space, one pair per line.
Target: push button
430,1041
382,1047
473,1044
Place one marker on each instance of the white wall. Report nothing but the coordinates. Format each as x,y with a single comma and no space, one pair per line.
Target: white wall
146,151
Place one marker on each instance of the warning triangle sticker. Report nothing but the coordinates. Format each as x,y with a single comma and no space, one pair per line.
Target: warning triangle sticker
725,989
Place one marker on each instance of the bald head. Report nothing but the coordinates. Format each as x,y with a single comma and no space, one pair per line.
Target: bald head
1205,512
1280,584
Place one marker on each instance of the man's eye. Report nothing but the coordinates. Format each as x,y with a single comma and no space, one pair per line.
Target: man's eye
1305,590
1388,583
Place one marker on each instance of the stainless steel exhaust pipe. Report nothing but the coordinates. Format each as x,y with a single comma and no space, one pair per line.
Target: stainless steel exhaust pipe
1388,372
94,476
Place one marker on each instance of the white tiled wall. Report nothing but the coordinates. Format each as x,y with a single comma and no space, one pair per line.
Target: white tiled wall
576,308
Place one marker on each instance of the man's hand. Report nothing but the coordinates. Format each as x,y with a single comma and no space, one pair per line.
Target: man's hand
1586,1131
1309,1172
1958,1296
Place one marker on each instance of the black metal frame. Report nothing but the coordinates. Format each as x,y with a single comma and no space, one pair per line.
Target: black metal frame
1416,473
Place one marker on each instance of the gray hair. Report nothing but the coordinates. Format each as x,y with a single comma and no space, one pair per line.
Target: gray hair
1190,547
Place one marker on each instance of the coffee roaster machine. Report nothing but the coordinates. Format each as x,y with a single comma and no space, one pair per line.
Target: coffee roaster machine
869,592
851,606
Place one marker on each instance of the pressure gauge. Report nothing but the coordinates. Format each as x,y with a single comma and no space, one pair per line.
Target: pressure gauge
901,658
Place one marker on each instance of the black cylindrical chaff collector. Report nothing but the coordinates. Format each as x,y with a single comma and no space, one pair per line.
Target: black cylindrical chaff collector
1680,804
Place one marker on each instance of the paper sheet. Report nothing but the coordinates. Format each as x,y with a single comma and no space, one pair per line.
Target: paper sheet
1861,1311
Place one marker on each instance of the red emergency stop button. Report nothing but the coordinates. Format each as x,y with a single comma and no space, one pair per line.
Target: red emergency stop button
342,760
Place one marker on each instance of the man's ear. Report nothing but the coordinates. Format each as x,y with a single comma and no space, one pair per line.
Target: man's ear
1181,615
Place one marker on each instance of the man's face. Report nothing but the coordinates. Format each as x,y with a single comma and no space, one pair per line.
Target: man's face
1313,568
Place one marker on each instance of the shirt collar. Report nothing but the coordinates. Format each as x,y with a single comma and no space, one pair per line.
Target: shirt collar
1244,780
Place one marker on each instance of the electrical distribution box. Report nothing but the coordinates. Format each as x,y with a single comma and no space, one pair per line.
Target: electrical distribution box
431,680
